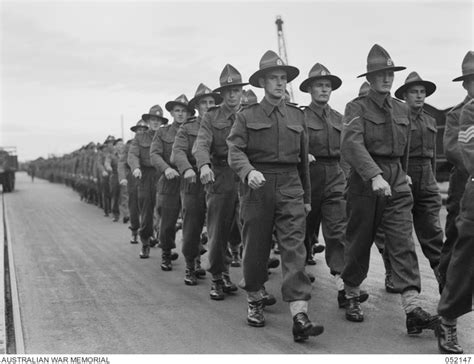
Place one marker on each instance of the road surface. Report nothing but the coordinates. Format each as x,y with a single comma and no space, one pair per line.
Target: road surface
83,289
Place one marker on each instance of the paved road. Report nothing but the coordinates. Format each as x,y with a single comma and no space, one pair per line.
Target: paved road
83,289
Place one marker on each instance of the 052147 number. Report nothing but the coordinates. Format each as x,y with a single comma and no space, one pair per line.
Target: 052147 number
457,360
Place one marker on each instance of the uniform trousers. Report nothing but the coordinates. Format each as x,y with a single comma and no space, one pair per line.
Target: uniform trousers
106,197
221,202
146,201
132,188
114,194
366,212
278,205
457,184
456,297
328,207
426,207
194,213
169,205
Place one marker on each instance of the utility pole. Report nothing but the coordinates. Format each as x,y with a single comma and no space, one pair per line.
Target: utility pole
282,48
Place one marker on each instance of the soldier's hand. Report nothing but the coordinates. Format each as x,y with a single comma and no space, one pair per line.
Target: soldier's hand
190,176
381,186
307,208
207,175
137,173
123,182
255,179
171,173
105,174
311,158
409,181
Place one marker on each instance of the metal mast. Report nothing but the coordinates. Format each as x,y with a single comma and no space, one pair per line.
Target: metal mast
282,48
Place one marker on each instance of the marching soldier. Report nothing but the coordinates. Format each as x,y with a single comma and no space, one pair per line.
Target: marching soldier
456,297
375,142
142,169
421,168
210,151
192,192
268,149
328,181
458,175
111,164
105,173
169,202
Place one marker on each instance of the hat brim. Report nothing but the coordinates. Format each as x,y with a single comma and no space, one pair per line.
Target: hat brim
135,127
336,82
291,74
145,117
195,100
429,86
220,89
463,77
171,104
394,69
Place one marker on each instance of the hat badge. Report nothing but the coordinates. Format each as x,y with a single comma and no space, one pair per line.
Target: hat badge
389,62
229,79
279,62
323,73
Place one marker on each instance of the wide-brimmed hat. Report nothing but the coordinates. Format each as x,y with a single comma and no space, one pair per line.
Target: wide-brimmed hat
229,77
317,72
118,140
379,60
248,97
157,111
364,89
467,67
271,61
181,100
109,139
203,91
140,124
414,79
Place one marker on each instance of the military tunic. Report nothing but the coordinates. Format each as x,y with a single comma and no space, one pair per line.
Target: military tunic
192,194
457,182
456,297
139,157
328,183
375,141
169,201
221,198
272,139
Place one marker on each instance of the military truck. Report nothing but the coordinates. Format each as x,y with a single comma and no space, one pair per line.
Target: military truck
8,167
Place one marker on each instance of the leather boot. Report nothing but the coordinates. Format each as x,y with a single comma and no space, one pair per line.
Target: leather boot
217,292
448,339
303,328
273,263
153,242
268,299
419,320
145,252
235,259
353,311
255,316
166,261
389,287
342,300
228,285
190,278
174,256
200,272
134,239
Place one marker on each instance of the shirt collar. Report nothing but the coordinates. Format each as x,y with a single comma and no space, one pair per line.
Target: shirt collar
415,114
318,109
228,112
268,107
379,98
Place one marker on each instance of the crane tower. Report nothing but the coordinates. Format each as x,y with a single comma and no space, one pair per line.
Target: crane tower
282,48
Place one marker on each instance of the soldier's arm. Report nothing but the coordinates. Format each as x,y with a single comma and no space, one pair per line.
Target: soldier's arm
133,157
156,152
237,143
353,148
100,164
108,162
406,152
303,166
466,137
450,140
202,146
178,153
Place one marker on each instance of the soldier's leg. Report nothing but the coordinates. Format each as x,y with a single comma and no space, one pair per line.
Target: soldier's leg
457,183
106,194
146,200
132,188
124,204
115,196
235,239
426,208
313,219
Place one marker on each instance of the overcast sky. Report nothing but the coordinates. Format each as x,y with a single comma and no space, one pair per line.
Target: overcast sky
70,69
